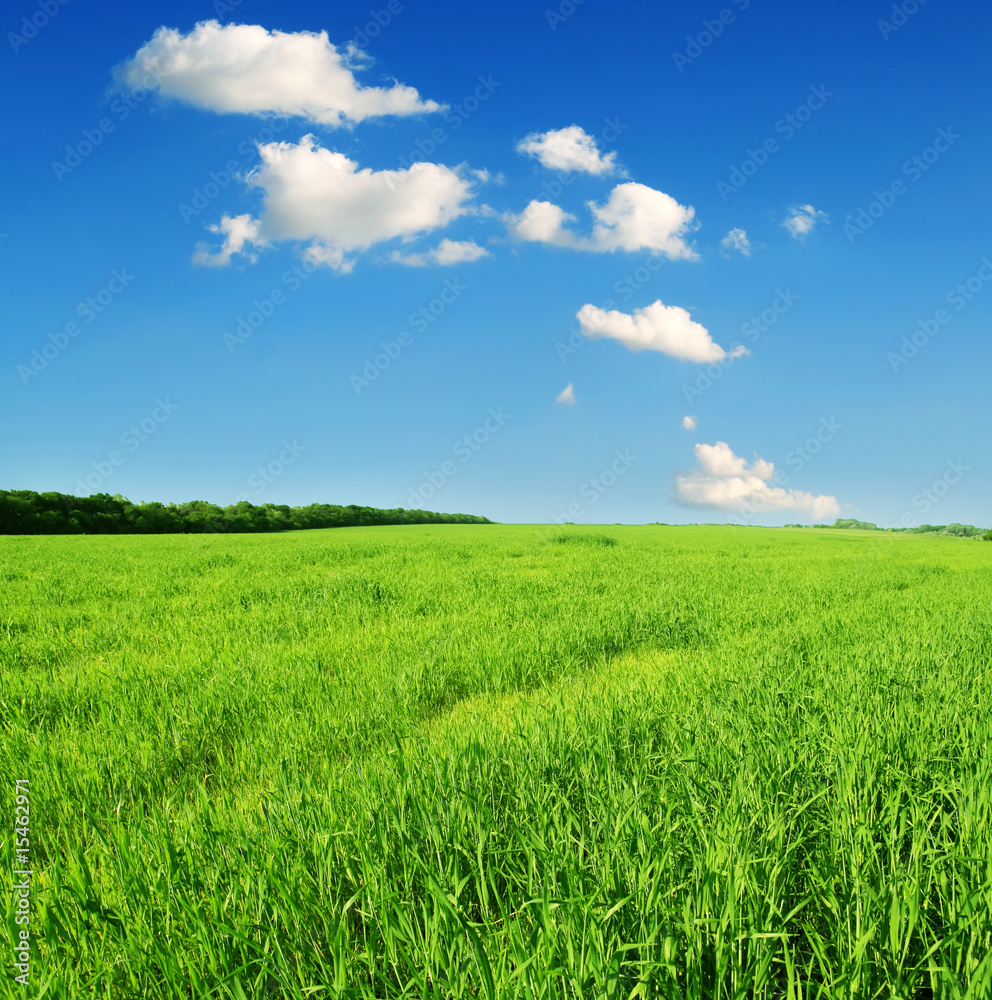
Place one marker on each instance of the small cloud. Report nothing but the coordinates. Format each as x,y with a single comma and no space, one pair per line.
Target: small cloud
239,232
543,222
447,252
637,217
634,217
571,149
803,220
724,481
657,327
566,396
321,255
737,240
689,423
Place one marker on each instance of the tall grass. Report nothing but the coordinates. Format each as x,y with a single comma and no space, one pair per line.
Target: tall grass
502,762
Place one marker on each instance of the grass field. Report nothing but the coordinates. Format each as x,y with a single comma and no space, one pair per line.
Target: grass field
502,761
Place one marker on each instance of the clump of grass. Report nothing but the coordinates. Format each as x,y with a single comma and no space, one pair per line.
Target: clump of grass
593,538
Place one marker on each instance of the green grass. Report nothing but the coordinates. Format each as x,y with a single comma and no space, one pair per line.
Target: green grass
493,761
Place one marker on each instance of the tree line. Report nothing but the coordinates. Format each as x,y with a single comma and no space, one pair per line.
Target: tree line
25,512
957,530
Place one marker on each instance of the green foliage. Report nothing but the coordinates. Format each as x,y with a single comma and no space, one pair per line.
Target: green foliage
24,512
850,522
957,530
452,762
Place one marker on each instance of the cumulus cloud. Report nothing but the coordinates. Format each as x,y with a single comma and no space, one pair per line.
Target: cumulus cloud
802,220
543,222
657,327
324,199
567,395
239,232
737,240
571,149
637,217
634,217
689,423
446,252
724,481
247,69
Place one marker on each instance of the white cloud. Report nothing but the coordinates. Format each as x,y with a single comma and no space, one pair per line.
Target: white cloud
803,220
737,240
689,423
657,327
723,481
238,231
248,69
567,395
634,217
446,252
321,255
543,222
570,148
637,217
323,198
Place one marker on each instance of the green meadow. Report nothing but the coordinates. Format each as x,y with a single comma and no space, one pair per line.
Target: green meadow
501,761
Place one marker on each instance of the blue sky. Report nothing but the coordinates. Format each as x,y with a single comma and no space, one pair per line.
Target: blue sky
685,169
